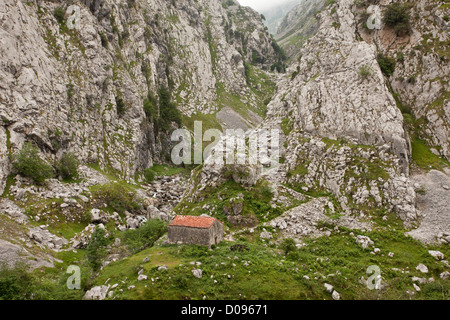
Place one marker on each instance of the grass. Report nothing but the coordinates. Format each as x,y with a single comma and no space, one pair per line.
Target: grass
424,158
256,202
209,121
300,170
165,170
337,260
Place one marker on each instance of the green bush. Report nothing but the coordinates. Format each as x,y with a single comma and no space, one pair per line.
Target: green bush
397,15
387,64
149,175
168,110
60,14
150,107
118,197
104,39
15,282
288,245
145,236
96,249
28,163
120,106
67,167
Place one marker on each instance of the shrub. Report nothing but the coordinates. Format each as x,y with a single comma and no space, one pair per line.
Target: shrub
387,64
365,72
288,245
150,107
60,14
168,110
67,167
104,39
15,282
29,164
118,197
120,106
96,249
144,237
397,15
149,175
70,91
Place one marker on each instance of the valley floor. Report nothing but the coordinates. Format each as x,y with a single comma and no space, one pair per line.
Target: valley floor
52,231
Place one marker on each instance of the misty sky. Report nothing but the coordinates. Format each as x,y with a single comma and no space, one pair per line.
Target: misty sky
261,4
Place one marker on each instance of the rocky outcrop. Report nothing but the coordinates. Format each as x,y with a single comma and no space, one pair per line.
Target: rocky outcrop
97,293
13,211
327,96
420,79
12,254
45,239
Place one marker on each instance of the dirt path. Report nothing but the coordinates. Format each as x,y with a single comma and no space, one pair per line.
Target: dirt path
434,205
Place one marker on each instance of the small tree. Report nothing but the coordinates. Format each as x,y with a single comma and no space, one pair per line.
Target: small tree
118,197
397,15
387,64
145,236
288,245
29,164
96,249
67,167
120,106
60,14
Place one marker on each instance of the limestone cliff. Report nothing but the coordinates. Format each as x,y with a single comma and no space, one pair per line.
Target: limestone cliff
420,79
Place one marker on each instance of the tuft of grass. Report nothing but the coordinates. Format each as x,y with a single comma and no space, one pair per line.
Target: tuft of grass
365,72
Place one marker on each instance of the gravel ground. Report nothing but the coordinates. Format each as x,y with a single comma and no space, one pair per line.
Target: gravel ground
434,205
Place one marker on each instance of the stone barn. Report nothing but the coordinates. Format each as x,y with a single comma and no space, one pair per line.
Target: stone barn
201,230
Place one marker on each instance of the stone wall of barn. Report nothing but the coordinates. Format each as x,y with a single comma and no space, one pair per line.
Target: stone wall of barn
216,233
189,235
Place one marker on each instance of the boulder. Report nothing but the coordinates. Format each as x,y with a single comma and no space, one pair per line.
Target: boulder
98,216
97,293
437,254
197,273
422,268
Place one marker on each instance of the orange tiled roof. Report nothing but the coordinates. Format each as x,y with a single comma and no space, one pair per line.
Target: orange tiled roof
193,222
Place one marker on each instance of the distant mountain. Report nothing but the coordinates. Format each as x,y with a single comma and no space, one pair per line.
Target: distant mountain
298,25
275,15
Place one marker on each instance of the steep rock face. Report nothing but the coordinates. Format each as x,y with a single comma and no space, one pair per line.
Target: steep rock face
422,68
82,89
325,94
